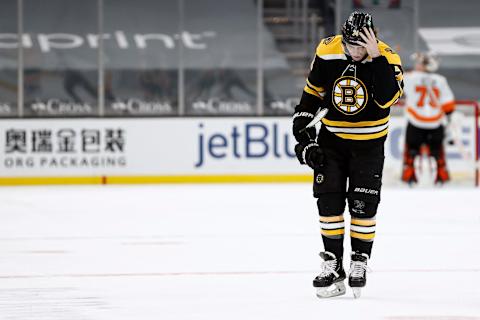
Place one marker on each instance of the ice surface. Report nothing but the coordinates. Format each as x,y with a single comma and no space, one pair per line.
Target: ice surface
179,252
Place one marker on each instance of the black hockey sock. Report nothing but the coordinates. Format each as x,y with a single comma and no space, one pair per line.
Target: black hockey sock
362,233
333,230
361,246
334,246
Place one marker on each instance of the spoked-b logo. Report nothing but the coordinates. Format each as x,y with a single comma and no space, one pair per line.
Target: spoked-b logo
349,95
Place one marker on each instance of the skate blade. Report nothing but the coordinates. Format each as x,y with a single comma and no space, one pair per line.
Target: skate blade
336,289
357,292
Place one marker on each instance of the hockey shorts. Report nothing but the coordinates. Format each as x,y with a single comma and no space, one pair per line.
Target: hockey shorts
359,169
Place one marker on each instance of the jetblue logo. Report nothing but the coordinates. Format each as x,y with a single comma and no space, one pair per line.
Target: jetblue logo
248,141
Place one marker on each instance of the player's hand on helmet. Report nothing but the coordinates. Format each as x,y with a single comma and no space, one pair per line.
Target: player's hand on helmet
310,153
369,42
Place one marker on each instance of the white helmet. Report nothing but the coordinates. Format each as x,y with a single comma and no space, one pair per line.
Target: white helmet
429,60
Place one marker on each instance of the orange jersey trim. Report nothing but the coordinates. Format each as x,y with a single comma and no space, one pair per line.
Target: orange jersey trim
423,118
448,107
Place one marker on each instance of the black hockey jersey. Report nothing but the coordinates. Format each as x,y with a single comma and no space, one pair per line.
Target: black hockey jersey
358,94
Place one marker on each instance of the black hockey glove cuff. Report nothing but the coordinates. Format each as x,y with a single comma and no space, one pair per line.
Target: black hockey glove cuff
300,121
310,154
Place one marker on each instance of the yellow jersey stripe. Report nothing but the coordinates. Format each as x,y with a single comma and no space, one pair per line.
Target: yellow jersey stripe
347,124
356,136
362,236
312,92
392,101
332,219
318,89
363,130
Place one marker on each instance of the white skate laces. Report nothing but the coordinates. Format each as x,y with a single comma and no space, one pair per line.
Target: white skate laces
357,277
358,269
329,283
328,267
327,286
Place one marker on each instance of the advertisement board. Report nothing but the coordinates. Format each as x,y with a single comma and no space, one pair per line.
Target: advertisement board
173,150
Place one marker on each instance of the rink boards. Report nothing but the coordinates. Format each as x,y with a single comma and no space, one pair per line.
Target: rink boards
191,150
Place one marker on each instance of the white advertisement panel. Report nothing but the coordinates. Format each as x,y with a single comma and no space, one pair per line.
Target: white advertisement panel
174,147
147,147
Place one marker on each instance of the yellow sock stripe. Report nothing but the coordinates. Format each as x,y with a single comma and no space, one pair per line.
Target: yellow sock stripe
336,232
364,223
362,236
331,218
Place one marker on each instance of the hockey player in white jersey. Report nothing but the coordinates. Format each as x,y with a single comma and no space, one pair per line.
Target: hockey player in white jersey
429,104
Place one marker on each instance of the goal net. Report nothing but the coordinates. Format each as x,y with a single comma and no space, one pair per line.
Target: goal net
461,146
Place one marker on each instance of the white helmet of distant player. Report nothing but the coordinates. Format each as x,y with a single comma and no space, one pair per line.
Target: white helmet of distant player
428,60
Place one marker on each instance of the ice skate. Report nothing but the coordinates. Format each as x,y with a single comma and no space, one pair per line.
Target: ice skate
329,283
357,276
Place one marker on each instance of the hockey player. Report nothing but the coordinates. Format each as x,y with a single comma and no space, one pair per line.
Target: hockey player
356,78
428,100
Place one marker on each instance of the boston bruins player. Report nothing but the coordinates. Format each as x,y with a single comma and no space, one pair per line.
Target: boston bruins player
357,78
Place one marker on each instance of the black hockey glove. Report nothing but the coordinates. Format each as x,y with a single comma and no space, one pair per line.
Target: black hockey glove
310,153
300,121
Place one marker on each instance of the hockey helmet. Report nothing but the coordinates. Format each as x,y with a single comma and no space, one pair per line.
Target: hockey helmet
427,59
354,25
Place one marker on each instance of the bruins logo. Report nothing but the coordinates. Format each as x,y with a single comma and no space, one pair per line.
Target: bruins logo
349,95
320,178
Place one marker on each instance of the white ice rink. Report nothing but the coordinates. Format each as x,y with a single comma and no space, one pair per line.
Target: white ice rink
227,252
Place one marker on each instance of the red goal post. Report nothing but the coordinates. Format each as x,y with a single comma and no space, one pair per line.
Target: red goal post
476,106
476,113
